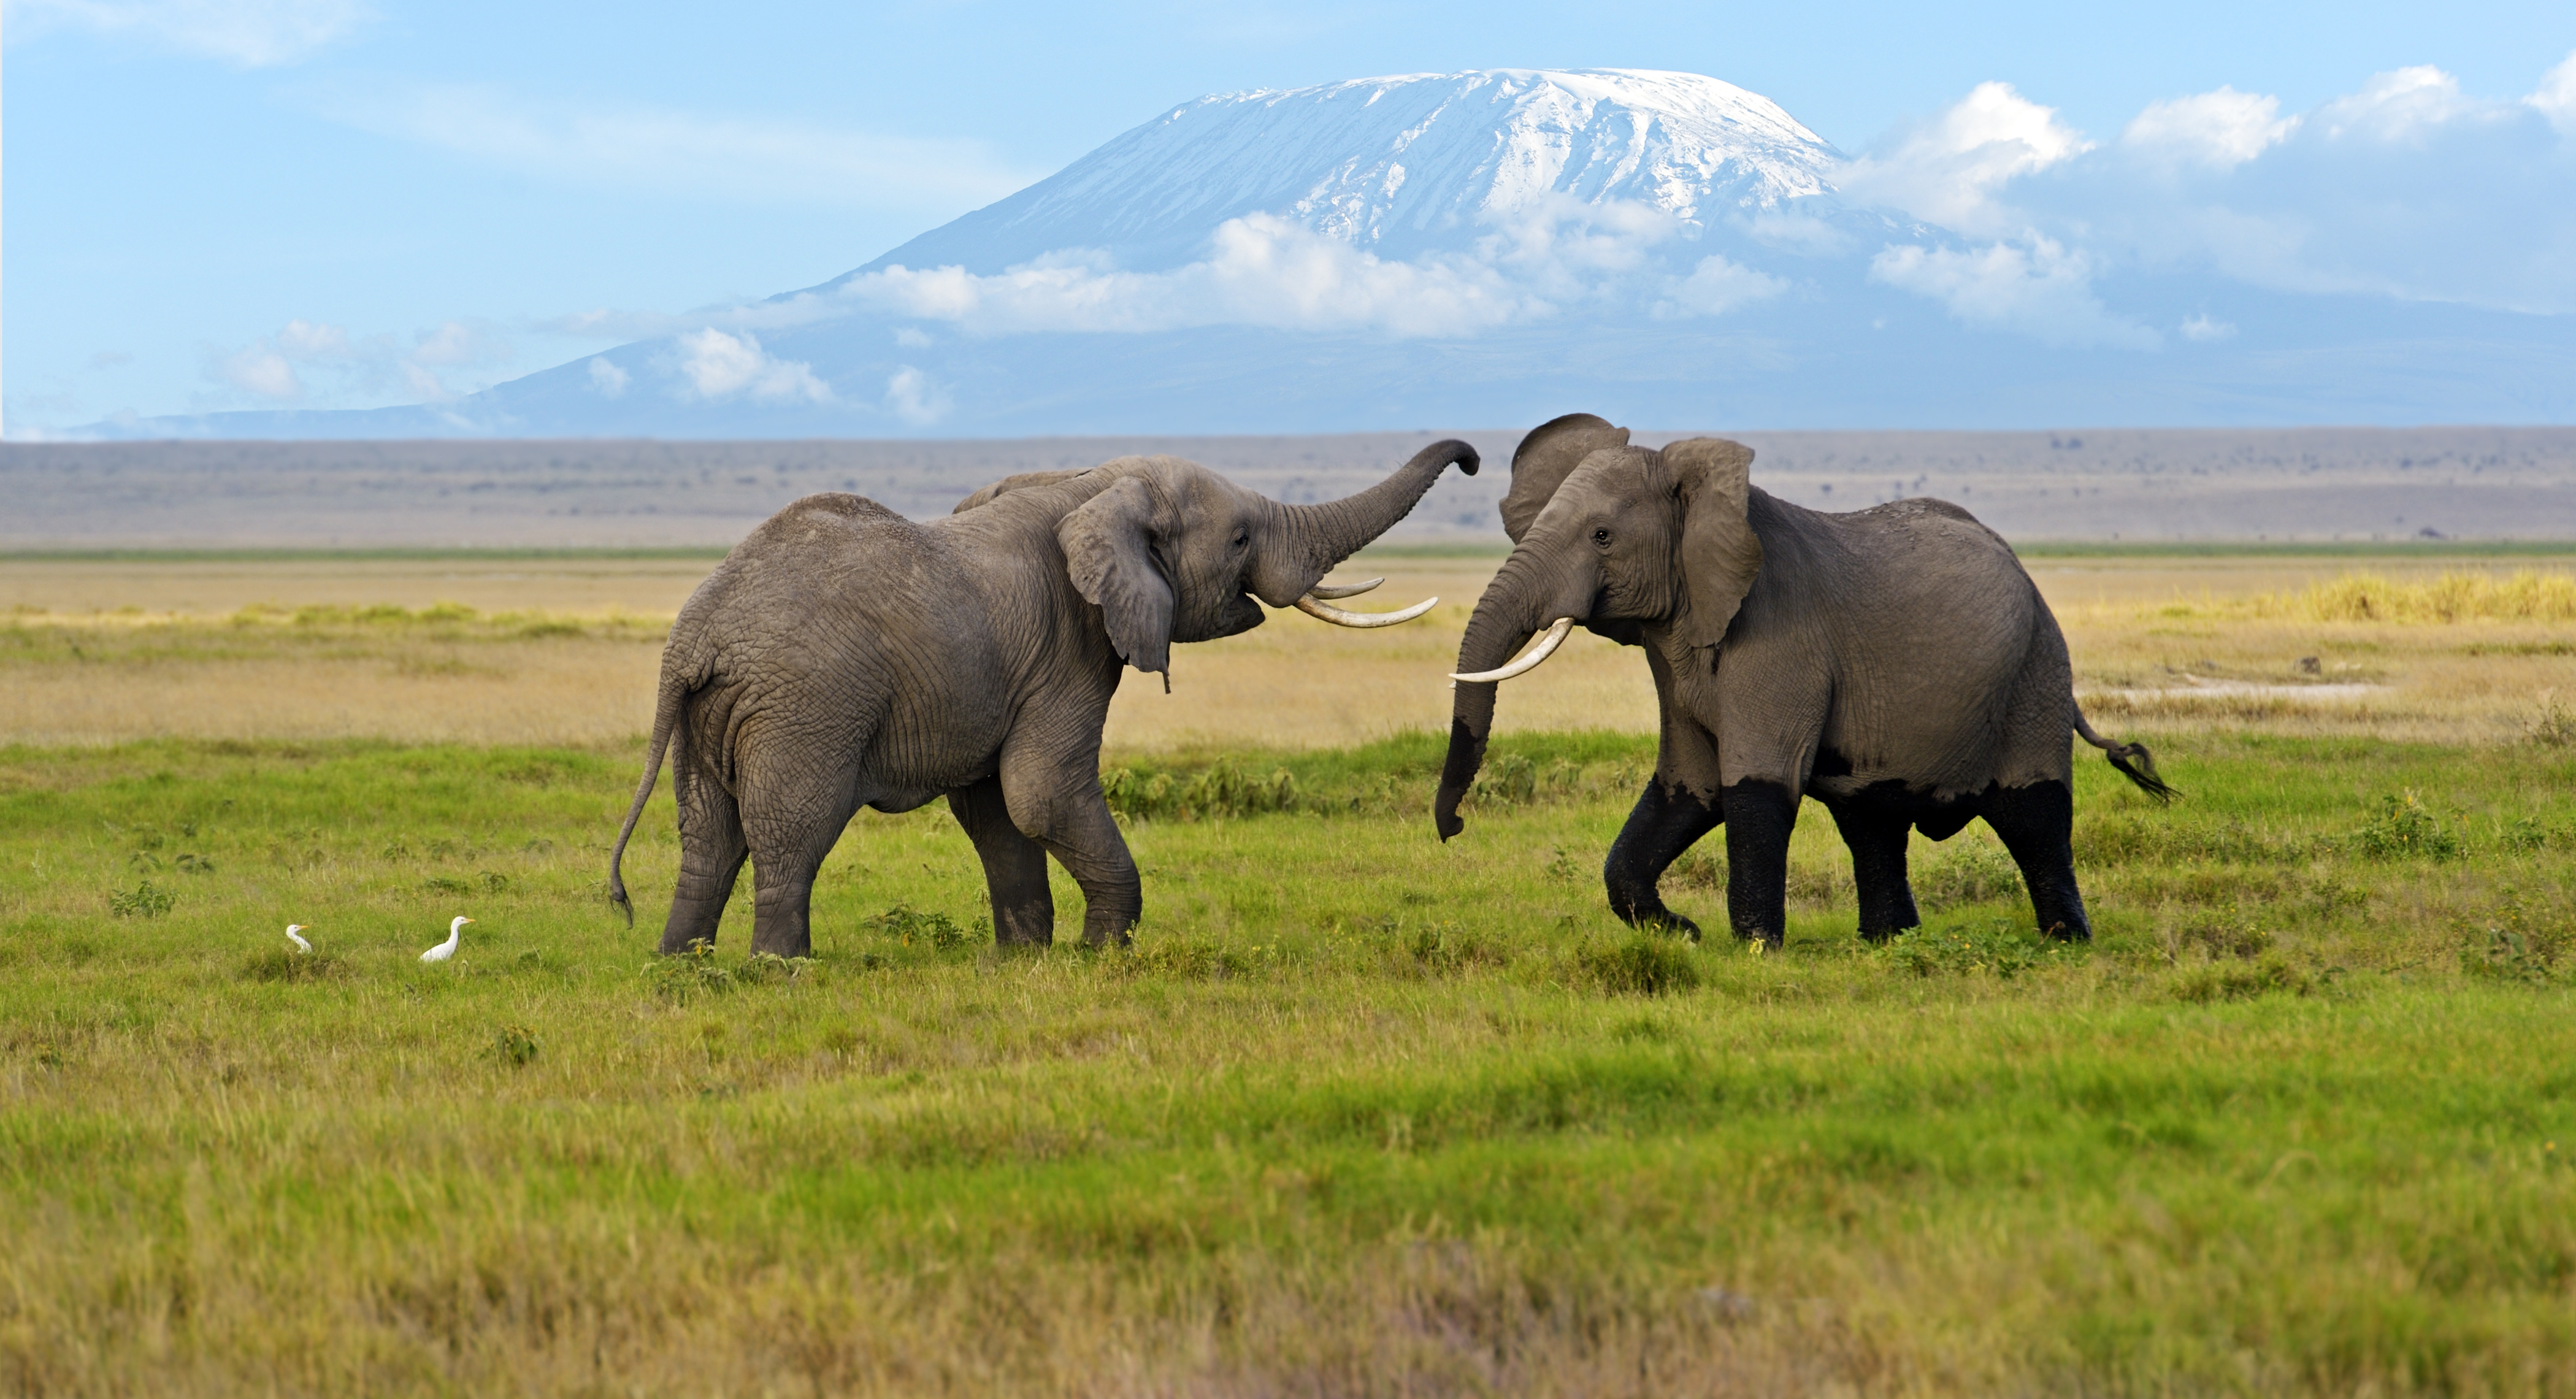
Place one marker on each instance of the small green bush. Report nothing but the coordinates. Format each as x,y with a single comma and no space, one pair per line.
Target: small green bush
1998,946
1507,779
144,900
2406,829
908,925
1221,792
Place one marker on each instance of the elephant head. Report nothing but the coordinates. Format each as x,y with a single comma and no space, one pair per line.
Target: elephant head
1627,536
1170,551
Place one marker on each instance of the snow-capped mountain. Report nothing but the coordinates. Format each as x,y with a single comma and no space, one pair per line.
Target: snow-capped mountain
1401,166
1498,247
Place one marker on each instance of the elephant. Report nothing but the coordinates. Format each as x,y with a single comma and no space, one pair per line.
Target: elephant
1895,663
843,656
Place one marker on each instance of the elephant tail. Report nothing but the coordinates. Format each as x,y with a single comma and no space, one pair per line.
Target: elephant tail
2132,759
666,722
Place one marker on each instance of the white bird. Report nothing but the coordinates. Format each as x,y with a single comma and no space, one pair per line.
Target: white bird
447,949
300,944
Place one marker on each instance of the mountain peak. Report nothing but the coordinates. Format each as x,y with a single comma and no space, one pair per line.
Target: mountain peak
1399,166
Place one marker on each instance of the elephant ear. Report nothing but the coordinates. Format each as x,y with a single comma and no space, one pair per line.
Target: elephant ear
1720,554
1109,549
1545,458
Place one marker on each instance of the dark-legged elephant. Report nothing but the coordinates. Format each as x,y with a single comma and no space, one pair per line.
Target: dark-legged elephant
843,656
1895,663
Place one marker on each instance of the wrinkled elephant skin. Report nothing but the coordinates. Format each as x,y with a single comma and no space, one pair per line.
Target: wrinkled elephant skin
1895,663
843,656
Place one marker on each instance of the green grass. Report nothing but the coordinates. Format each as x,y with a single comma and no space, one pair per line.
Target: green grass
1361,1113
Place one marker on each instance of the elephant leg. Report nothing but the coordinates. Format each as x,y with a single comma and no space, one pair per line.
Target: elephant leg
2036,823
794,808
1759,817
1015,872
712,849
1665,822
1085,840
1877,840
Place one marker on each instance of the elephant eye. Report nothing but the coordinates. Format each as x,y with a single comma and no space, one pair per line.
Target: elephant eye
1601,537
1242,537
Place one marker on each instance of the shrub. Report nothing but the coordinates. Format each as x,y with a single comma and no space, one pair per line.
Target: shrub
1641,964
906,924
1219,792
696,972
1507,779
445,884
2552,724
144,900
2406,829
1998,946
2519,940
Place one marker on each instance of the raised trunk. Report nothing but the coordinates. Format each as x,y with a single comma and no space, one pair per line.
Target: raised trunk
1305,541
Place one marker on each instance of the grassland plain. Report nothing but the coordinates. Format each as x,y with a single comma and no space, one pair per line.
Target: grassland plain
1360,1114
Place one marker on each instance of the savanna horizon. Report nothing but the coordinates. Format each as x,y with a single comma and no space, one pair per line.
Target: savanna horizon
1361,1112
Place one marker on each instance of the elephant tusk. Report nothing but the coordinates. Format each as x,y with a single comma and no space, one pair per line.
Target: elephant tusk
1326,592
1529,659
1340,618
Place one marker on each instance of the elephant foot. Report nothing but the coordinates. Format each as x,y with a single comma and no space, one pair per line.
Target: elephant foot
1660,918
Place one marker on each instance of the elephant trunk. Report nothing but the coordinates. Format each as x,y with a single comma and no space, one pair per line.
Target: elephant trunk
1305,541
1522,598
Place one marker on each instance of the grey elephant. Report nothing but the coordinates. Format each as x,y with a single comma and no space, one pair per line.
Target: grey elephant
843,656
1895,663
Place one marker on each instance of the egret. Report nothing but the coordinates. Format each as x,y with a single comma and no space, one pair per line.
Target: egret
447,949
300,944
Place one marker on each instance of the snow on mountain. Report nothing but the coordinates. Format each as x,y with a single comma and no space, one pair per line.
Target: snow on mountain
1498,247
1400,166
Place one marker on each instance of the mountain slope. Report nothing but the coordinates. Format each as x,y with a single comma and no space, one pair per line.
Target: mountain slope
1399,166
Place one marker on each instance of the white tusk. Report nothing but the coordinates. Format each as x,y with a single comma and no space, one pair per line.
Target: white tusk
1326,592
1340,618
1529,659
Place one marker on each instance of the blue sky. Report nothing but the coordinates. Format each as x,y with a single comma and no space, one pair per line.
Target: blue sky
389,201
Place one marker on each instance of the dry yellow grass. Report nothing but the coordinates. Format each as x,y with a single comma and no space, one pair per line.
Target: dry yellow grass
564,651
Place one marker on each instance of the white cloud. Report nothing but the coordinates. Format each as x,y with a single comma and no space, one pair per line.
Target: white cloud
2220,129
1946,170
680,152
2556,98
2042,290
718,365
261,370
2396,106
1263,271
1716,287
607,378
277,367
914,397
2201,327
246,33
